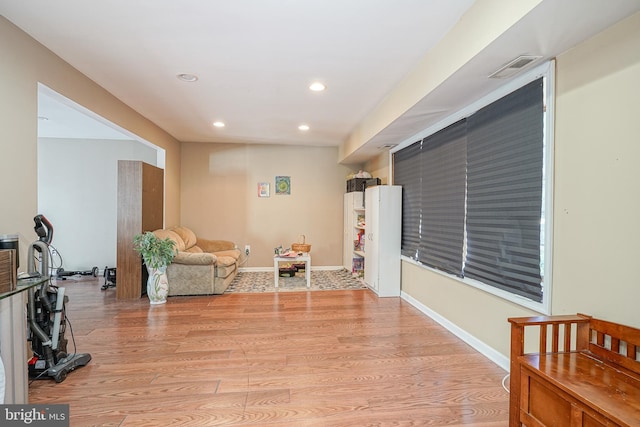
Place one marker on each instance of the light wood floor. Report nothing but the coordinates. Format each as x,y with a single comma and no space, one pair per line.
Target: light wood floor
328,358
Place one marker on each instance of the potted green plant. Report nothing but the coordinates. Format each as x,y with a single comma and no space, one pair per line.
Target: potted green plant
157,254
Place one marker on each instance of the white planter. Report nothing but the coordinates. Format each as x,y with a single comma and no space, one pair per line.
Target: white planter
157,285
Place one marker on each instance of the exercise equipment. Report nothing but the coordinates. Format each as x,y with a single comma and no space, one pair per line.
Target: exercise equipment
63,274
109,278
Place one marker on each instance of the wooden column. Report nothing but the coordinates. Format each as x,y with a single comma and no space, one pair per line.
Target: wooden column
140,209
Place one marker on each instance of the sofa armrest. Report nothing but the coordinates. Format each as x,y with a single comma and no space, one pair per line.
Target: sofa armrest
190,258
214,245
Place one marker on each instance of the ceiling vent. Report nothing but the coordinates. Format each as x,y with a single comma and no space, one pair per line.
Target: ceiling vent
514,66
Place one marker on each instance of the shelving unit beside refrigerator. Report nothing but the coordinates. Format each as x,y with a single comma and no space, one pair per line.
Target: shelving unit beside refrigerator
354,237
358,242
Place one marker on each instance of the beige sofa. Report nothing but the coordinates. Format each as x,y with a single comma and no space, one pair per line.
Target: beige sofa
201,266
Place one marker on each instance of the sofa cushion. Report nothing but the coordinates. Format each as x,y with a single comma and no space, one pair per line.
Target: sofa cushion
208,245
189,258
223,271
194,250
233,253
225,261
163,234
188,236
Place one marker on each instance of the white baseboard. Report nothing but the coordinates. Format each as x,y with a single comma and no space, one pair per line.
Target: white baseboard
270,268
487,351
255,269
328,267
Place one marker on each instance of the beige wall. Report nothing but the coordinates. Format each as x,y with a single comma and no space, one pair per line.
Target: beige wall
597,179
379,167
220,198
23,64
596,197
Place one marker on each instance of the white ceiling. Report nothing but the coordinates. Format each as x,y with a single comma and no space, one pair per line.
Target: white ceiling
59,117
256,58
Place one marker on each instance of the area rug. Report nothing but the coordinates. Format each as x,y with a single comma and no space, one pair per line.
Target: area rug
321,280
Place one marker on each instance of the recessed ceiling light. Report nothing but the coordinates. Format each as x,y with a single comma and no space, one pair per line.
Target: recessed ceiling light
303,127
187,77
218,124
317,87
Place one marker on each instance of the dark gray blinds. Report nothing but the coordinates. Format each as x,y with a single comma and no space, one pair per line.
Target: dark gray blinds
472,195
443,165
504,195
407,172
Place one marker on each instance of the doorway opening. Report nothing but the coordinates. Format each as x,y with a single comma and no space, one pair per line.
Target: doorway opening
78,153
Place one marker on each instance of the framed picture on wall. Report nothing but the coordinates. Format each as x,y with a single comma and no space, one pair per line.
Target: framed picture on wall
263,189
283,185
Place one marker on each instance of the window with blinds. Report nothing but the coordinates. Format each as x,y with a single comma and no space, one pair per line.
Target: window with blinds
473,195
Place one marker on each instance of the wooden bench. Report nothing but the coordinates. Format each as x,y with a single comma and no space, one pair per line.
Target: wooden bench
585,372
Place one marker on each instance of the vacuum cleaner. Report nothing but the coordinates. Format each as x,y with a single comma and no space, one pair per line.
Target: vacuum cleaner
46,316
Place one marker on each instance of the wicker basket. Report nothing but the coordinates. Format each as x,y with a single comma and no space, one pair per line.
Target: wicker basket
301,246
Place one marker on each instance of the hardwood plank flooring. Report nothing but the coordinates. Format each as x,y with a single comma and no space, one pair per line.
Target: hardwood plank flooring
328,358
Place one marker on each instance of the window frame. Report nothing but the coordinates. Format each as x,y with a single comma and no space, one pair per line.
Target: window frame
547,72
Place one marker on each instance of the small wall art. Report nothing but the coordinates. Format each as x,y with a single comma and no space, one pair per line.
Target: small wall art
263,189
283,185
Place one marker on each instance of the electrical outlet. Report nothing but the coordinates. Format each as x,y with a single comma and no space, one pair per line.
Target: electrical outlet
247,249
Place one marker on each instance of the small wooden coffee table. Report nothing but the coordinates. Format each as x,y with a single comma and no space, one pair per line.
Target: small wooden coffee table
301,257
